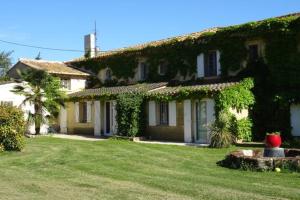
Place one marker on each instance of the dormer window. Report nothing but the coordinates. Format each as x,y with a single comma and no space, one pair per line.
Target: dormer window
210,64
144,71
253,52
108,75
162,69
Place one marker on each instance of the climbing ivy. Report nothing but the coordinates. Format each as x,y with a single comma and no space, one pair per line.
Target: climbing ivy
276,75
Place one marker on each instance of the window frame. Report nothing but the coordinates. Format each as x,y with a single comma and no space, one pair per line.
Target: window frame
65,84
83,112
163,113
144,71
210,69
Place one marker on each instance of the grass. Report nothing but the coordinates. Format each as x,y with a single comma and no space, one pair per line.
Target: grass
51,168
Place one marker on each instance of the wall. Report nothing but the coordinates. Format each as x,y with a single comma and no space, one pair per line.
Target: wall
74,127
165,132
77,84
7,95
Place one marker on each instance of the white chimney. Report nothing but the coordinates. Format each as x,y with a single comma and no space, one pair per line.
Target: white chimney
90,45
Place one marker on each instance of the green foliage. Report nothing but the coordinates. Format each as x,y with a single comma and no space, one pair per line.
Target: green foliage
5,62
43,91
12,128
221,131
238,96
243,129
129,114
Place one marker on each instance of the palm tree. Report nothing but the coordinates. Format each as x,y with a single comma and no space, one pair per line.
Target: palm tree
41,90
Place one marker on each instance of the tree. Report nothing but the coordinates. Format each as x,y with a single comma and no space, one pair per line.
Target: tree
5,62
41,90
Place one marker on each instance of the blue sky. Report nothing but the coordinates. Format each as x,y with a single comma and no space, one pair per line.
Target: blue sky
62,24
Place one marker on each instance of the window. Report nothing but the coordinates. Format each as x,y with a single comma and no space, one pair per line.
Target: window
6,103
144,71
108,75
163,113
83,112
210,64
162,69
253,52
65,83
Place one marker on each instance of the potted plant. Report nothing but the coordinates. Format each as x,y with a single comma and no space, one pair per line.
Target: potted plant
273,140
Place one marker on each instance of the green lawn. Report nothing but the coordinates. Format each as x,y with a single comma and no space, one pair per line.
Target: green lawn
52,168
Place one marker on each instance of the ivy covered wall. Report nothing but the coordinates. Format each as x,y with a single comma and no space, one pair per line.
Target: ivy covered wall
276,76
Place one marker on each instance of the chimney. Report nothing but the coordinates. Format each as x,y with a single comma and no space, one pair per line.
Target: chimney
90,45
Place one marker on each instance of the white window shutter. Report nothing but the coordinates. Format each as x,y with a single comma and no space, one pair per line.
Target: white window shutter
187,118
88,111
172,113
114,117
63,120
152,113
77,112
218,63
200,65
97,118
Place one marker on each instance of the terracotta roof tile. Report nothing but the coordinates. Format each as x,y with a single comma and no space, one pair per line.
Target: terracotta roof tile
53,67
143,87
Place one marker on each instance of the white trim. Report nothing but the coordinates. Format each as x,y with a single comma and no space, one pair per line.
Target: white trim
295,119
152,113
97,118
172,113
76,112
187,121
200,65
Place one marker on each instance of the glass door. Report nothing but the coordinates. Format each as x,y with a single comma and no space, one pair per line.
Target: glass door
201,122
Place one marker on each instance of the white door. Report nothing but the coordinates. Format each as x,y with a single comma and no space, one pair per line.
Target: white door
108,124
295,119
201,119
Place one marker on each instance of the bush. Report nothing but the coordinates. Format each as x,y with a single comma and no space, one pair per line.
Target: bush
12,128
129,114
243,129
221,131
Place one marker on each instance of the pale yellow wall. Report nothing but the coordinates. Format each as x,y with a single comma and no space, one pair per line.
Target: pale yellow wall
75,127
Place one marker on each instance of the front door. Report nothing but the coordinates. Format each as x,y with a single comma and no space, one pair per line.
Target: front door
108,117
201,132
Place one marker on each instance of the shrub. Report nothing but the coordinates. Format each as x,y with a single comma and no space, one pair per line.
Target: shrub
243,129
221,131
12,128
129,114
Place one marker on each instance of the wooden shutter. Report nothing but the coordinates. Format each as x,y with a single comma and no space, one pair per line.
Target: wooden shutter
172,113
200,65
152,113
88,111
77,112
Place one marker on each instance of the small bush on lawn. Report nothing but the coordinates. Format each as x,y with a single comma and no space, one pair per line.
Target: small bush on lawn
242,129
221,131
12,128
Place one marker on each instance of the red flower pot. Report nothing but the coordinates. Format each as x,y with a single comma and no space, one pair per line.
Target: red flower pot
273,140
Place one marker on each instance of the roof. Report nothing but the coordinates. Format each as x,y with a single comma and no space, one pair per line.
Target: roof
104,91
151,88
171,90
165,41
52,67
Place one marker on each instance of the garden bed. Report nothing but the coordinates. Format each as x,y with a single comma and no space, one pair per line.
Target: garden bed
254,160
